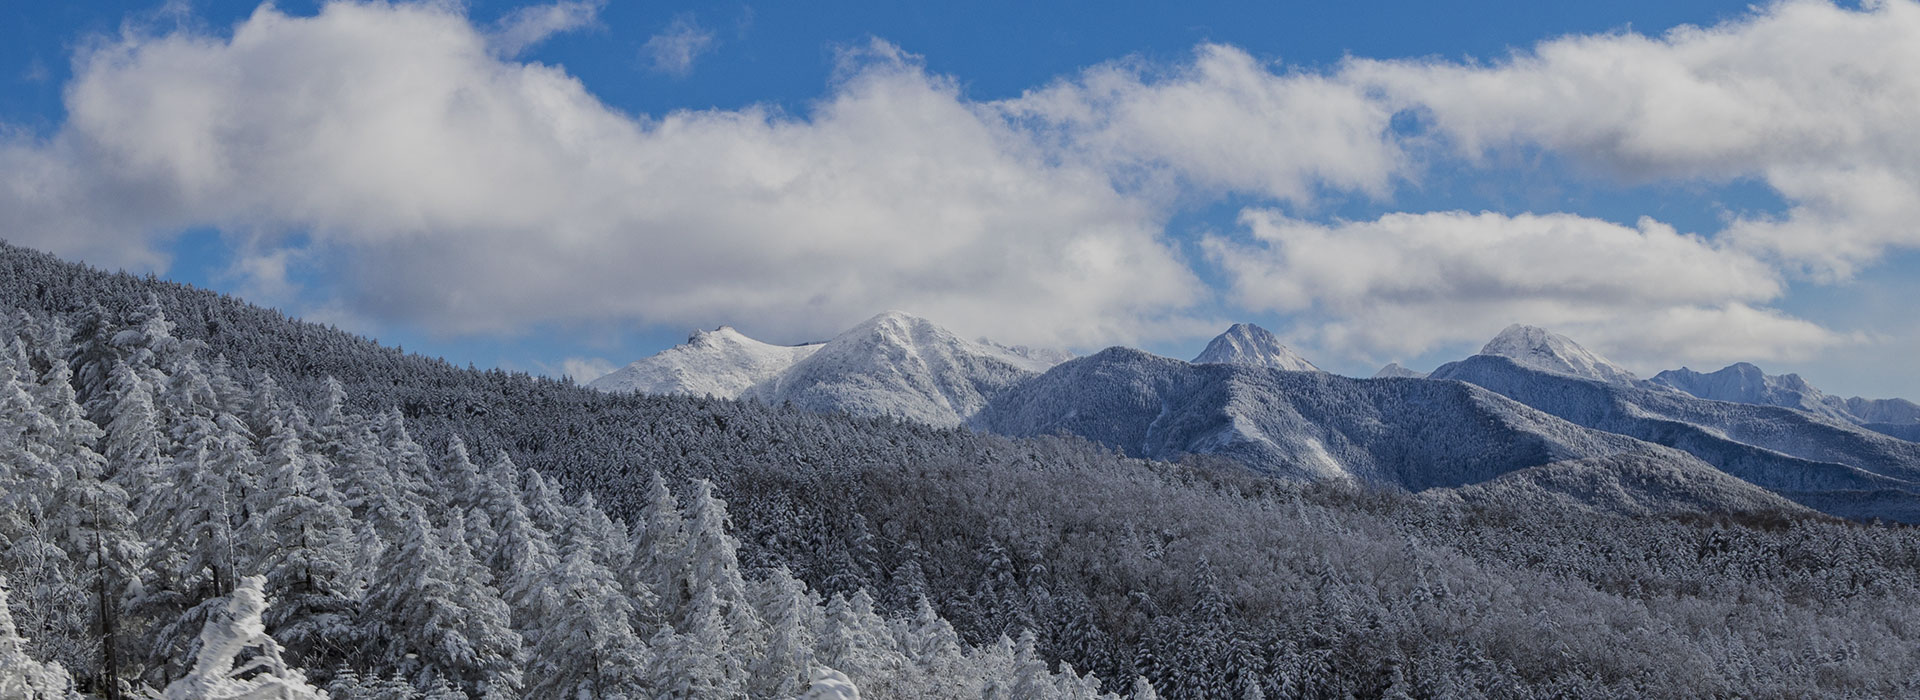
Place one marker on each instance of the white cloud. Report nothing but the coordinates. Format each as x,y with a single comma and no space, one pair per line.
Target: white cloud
473,193
1815,100
527,26
586,369
1224,122
470,194
673,51
1406,283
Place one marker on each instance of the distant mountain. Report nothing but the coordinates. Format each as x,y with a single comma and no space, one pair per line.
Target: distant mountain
894,364
1742,382
1393,370
1252,346
1415,434
722,363
1897,411
1540,349
1809,459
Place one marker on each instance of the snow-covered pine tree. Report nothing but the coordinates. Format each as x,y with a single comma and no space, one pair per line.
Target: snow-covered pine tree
301,538
28,484
585,645
791,616
713,570
94,527
522,553
660,546
698,663
433,614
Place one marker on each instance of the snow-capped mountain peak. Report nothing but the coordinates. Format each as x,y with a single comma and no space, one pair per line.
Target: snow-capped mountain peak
722,362
895,364
1538,348
901,365
1251,345
1397,370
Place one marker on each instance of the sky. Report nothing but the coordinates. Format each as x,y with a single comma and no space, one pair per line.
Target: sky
563,188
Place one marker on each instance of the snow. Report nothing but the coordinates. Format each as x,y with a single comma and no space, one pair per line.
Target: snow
901,365
1394,370
1544,350
894,364
1742,382
1413,433
1253,346
233,629
828,684
722,363
1809,459
1662,482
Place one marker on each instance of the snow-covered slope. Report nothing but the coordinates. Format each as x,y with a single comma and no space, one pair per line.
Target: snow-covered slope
1742,382
1666,482
722,363
1544,350
1417,434
1253,346
1806,458
900,365
1394,370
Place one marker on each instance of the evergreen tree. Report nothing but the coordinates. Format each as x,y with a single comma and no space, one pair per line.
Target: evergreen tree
586,645
95,526
302,538
435,614
791,616
660,547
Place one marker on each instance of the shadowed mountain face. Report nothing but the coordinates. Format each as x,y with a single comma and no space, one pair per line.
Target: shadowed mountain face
1826,464
1412,433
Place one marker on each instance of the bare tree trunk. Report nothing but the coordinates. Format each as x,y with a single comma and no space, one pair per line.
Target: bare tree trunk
109,622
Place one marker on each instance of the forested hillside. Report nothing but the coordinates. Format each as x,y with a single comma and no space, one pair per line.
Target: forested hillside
414,525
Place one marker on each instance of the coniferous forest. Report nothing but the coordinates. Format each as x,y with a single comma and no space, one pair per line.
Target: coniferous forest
205,499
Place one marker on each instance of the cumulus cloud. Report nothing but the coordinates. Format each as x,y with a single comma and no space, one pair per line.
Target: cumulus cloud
1813,99
1405,283
1225,122
527,26
672,51
474,194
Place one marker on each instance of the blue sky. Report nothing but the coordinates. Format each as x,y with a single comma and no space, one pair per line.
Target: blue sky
526,185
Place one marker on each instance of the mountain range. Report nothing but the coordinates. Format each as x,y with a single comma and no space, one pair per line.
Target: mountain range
1742,382
894,364
1533,413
